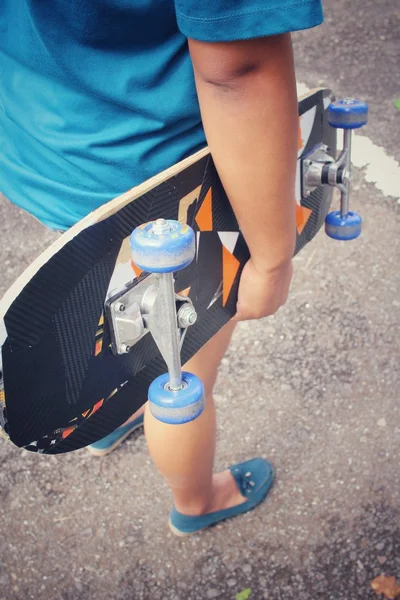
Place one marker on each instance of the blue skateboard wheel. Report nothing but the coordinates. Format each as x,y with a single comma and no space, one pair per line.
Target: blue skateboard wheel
343,228
180,406
162,246
347,114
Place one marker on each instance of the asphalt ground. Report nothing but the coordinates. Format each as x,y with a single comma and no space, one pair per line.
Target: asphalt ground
315,389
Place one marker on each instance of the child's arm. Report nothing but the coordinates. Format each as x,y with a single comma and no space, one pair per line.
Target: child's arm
247,94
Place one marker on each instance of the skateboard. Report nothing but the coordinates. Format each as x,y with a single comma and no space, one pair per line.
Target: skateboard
88,326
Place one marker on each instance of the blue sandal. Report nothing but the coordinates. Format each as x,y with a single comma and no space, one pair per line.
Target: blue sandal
114,439
254,479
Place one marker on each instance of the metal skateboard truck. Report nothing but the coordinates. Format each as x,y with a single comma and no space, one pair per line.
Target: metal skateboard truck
162,247
321,169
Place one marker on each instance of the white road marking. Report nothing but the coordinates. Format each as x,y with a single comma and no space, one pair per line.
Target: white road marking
379,168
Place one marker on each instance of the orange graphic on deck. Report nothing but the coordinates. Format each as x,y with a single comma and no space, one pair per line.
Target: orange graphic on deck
91,411
136,269
97,406
299,138
185,292
230,268
67,432
204,216
99,347
302,215
99,340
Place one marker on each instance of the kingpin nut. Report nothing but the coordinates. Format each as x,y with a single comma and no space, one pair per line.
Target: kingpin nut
187,316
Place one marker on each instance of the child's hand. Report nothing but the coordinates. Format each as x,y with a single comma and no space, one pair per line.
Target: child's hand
262,292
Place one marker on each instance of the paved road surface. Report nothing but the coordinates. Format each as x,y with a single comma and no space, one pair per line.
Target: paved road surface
315,388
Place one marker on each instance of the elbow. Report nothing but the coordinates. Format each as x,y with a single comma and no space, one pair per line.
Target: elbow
230,65
230,78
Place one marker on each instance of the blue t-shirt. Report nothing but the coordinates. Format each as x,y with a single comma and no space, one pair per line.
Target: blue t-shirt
96,96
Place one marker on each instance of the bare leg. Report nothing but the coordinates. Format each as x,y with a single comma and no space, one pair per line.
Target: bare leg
184,454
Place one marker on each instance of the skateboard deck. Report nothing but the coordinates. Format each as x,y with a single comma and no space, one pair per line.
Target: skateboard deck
61,386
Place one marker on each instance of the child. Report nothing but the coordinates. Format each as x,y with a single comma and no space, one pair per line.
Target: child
99,95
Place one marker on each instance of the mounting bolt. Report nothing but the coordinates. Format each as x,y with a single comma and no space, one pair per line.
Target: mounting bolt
119,307
187,316
125,348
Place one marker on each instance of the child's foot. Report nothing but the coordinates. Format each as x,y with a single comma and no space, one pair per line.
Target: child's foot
225,492
236,491
114,439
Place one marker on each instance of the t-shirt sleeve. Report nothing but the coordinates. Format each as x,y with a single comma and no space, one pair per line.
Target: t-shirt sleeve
231,20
